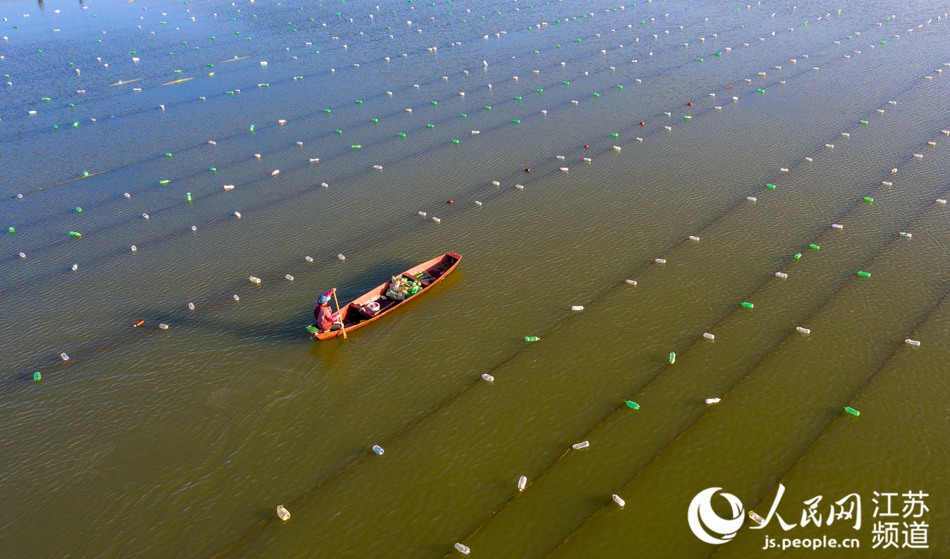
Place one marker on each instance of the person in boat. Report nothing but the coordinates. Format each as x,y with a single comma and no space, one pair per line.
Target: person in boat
326,319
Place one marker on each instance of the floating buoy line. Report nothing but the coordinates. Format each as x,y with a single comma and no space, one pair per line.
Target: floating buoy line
630,404
848,409
105,171
784,169
529,190
202,307
619,412
516,10
615,498
309,43
703,227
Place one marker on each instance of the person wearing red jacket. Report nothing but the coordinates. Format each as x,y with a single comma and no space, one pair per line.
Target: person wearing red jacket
326,319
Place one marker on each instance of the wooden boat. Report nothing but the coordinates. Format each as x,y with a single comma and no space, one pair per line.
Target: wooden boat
374,304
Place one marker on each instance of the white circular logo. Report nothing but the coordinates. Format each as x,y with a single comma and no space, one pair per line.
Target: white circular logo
709,526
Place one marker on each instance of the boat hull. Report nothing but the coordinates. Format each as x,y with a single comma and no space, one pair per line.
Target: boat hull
354,313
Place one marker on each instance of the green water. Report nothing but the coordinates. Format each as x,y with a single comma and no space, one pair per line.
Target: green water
181,442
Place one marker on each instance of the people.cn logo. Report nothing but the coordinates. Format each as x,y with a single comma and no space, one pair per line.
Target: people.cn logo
709,526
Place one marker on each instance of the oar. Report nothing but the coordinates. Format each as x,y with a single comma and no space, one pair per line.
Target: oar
343,327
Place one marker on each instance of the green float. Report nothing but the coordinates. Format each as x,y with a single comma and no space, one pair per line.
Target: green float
747,305
852,411
633,405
